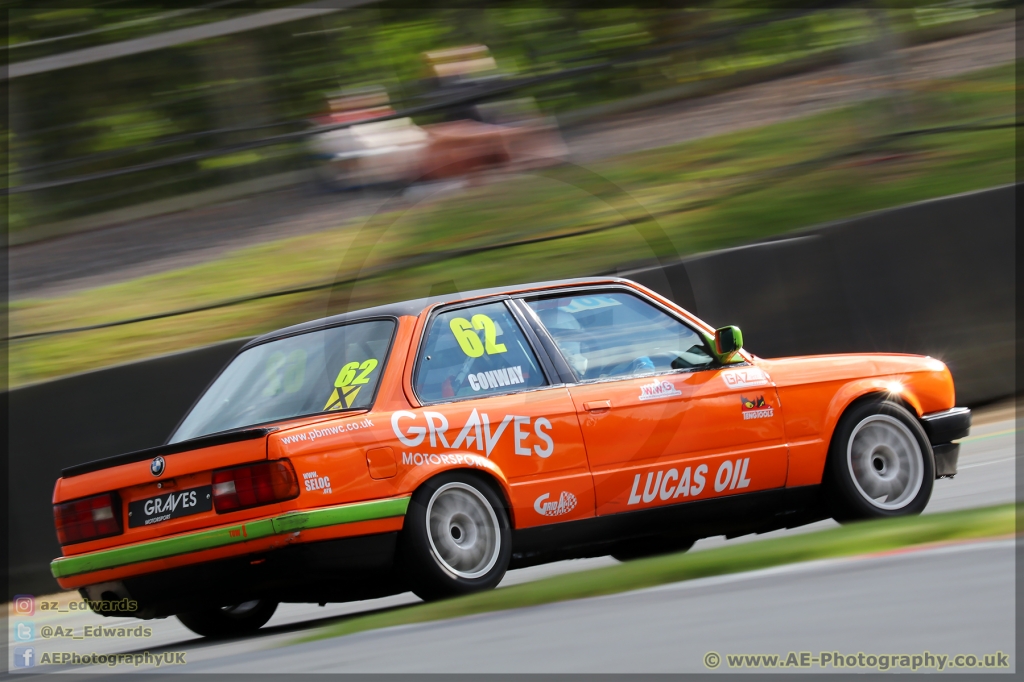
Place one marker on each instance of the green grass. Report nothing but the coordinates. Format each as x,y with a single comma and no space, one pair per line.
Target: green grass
683,199
860,538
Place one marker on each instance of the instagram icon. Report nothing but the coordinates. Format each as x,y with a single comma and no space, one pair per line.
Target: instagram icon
24,604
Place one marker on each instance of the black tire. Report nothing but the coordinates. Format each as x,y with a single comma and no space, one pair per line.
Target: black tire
654,545
878,450
456,538
229,621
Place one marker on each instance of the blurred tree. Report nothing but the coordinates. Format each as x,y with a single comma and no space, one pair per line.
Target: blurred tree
156,105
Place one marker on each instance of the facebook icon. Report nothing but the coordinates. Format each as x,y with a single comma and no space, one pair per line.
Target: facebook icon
24,656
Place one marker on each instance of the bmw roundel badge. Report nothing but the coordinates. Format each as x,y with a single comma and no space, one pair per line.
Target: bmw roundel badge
156,467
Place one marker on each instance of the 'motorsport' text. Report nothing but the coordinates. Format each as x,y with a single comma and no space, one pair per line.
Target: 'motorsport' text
424,458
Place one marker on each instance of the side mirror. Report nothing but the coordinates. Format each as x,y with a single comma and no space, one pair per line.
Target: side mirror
728,340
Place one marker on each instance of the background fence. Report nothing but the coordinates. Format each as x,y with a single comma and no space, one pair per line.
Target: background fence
934,278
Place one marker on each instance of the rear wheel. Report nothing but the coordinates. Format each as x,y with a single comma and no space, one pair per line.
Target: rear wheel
230,621
880,463
456,538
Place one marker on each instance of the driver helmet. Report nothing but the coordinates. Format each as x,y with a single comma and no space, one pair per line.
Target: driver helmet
555,319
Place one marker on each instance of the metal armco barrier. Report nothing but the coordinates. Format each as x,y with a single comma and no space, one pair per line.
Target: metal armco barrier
934,278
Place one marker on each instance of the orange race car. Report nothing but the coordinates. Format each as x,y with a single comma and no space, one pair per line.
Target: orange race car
433,444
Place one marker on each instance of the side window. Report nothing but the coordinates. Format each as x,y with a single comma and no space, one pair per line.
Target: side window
475,352
611,334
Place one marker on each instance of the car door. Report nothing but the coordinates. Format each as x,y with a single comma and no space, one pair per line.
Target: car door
485,390
662,421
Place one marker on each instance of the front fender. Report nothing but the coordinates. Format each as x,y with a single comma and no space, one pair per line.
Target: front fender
882,386
920,392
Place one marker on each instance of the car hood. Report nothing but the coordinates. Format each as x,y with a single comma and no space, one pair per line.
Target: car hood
809,369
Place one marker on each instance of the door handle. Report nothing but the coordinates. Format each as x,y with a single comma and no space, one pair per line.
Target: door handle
598,406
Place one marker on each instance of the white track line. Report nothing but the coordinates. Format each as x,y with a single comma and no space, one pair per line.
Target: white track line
981,464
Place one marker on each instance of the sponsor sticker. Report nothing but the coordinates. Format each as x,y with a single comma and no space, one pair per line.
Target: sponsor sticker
659,388
170,506
313,434
746,377
418,459
668,485
755,408
581,303
496,378
314,482
565,503
477,433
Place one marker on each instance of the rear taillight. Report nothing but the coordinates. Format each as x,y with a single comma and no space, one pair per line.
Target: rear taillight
254,484
88,519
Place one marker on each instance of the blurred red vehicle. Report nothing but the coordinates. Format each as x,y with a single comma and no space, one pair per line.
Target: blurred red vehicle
507,134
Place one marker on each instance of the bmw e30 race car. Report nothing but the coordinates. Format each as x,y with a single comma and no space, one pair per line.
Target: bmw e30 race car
433,444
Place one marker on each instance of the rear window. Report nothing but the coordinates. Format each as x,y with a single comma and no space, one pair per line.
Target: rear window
322,371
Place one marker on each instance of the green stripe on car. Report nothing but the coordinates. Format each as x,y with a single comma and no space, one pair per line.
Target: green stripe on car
229,535
347,513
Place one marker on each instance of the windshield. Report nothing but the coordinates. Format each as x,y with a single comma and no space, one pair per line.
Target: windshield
321,371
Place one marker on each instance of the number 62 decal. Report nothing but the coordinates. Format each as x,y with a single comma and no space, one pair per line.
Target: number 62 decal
348,383
469,340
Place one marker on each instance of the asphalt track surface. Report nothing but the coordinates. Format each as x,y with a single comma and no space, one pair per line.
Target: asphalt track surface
952,600
873,606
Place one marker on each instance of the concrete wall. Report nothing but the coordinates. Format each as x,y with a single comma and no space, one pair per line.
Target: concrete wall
81,418
935,278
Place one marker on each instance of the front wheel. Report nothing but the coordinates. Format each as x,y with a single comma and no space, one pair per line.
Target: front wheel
457,538
230,621
880,463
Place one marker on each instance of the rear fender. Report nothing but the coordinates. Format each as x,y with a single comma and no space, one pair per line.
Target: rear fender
424,466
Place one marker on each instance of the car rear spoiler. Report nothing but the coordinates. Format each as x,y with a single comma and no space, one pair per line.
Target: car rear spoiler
170,449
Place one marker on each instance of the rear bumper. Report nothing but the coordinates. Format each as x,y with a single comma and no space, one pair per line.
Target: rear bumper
245,537
345,569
